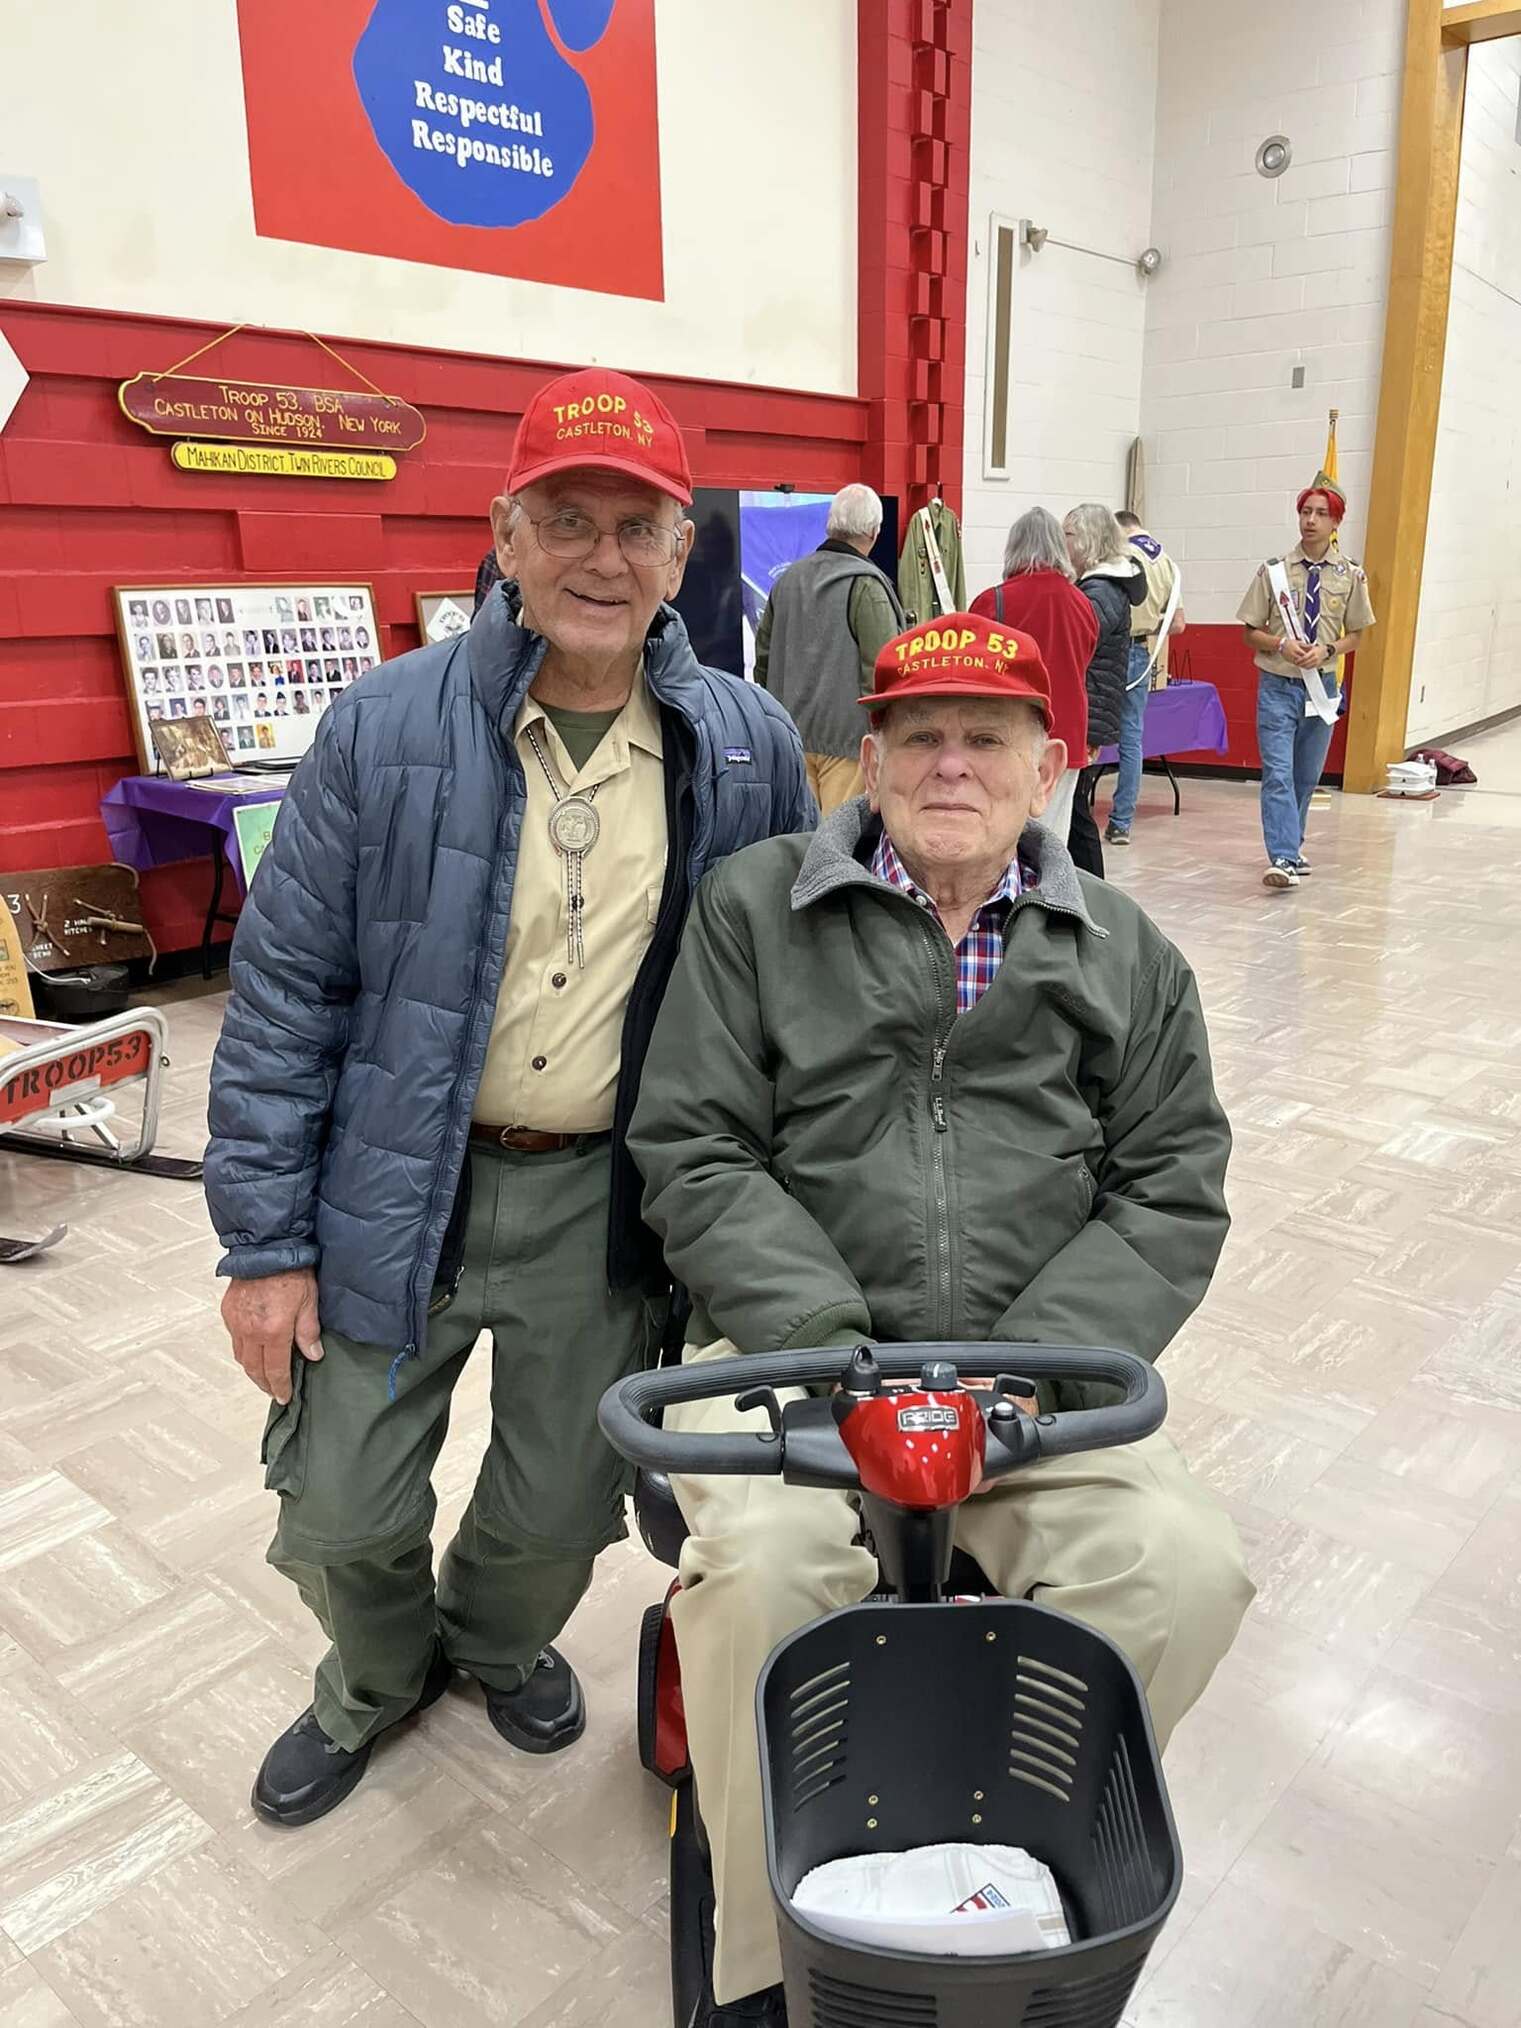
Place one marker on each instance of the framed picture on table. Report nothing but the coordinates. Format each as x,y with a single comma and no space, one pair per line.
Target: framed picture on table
234,653
443,614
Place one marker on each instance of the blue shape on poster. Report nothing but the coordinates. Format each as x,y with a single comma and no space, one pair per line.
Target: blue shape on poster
775,529
475,109
580,23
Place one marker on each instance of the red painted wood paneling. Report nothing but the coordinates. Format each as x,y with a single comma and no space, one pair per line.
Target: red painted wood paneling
1219,655
87,502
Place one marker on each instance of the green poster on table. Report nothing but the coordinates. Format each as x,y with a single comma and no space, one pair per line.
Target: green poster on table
254,823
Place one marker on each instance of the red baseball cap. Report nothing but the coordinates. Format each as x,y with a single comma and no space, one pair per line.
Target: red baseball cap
961,655
604,420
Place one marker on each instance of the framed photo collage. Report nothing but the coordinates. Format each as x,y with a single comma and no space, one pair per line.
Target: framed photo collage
263,662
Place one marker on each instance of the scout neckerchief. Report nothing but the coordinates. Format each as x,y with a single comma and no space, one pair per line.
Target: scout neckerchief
1319,702
573,830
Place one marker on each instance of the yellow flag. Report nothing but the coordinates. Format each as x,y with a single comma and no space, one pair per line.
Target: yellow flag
1328,467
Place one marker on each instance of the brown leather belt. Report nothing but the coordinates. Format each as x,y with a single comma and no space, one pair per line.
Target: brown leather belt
528,1141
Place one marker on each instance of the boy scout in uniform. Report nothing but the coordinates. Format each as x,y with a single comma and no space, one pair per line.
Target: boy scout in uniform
1304,611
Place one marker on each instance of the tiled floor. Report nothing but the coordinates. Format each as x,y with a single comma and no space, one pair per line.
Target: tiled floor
1349,1793
1495,757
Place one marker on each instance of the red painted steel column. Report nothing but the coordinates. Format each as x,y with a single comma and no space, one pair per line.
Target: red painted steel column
914,137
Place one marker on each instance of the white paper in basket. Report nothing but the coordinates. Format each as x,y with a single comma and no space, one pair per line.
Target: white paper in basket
950,1900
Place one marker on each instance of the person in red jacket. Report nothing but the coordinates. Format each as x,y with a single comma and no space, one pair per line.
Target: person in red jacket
1038,596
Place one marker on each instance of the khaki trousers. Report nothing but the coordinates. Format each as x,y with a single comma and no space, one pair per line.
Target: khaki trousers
1125,1540
832,780
353,1466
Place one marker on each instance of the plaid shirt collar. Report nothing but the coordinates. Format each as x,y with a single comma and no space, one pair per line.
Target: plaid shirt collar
980,952
886,865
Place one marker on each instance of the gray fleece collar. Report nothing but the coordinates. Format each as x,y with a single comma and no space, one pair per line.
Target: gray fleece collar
830,864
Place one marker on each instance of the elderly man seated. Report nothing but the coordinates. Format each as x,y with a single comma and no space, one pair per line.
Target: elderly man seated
917,1078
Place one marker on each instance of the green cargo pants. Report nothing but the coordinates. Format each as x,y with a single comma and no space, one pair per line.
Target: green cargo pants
353,1468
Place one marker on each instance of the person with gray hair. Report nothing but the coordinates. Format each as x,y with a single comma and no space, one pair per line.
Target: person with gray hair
1110,576
1037,596
818,641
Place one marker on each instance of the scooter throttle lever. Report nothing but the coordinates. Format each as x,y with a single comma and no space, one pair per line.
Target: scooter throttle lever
764,1397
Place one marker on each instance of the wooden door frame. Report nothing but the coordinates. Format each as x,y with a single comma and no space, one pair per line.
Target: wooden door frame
1437,42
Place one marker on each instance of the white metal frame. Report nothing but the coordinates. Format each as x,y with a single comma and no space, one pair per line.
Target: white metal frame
83,1108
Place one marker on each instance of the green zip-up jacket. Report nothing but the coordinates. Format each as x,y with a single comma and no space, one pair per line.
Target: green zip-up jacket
830,1150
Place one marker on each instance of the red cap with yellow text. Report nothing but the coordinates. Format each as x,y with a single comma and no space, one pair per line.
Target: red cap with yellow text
961,655
605,421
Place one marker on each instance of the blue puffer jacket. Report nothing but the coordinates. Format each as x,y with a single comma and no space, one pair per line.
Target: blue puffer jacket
366,965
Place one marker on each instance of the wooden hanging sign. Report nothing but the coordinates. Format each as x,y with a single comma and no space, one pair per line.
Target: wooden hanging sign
265,412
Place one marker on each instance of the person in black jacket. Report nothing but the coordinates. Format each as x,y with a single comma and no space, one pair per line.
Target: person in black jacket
1109,572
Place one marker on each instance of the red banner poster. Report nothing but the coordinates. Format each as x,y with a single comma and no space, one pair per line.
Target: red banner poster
513,137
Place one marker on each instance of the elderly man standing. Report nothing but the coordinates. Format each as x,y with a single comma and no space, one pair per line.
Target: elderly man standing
990,1116
819,637
443,986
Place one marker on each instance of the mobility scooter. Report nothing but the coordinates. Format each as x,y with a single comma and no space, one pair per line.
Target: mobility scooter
931,1713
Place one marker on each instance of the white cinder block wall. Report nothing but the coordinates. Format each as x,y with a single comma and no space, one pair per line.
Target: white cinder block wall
1263,276
1468,640
1063,126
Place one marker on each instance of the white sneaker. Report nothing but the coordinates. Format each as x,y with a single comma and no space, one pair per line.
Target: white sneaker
1282,873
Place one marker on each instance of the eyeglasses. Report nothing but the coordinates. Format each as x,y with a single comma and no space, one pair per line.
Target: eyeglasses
572,536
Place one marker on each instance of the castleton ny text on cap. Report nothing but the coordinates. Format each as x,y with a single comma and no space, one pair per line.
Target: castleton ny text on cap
961,655
603,420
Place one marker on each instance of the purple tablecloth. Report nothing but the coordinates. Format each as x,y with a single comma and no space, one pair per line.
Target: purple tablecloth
152,821
1183,718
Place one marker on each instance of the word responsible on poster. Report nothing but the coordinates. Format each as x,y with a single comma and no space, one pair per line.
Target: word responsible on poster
517,137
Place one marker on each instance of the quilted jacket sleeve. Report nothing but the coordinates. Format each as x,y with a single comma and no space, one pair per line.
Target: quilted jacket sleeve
792,802
295,974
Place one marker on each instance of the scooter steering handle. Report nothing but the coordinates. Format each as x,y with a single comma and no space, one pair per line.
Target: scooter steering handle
630,1409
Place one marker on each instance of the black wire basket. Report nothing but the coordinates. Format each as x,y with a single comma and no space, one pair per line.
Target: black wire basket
891,1726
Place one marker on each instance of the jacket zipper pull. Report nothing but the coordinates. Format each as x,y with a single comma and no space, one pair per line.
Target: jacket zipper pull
937,1114
937,1064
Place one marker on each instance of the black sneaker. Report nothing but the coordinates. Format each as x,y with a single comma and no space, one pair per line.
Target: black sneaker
766,2009
1114,835
305,1775
546,1713
1282,873
1303,867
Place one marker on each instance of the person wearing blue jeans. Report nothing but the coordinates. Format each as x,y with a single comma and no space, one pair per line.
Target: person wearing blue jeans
1302,614
1127,786
1293,744
1145,626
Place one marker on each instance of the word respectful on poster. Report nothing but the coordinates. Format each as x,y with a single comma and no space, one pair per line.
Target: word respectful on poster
261,412
515,137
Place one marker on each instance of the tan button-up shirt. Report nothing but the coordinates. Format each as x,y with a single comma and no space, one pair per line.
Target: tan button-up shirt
1344,604
557,1038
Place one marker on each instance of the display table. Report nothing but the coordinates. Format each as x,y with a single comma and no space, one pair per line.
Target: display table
152,821
1182,718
